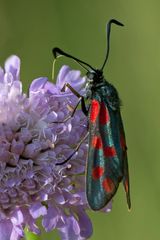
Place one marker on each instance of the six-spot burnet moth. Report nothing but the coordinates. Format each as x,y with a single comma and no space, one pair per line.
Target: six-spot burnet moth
107,163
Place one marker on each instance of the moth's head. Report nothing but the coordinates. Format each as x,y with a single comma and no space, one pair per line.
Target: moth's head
95,76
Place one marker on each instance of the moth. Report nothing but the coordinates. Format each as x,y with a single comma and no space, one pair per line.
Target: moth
107,163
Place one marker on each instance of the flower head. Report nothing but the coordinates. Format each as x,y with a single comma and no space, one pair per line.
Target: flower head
31,143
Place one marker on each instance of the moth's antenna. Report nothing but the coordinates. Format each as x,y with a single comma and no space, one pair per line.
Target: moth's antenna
57,51
108,38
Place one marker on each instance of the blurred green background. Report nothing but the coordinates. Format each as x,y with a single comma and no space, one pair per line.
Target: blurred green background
31,29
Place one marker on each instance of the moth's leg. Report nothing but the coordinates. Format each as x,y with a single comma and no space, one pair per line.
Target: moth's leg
80,100
75,150
72,114
80,97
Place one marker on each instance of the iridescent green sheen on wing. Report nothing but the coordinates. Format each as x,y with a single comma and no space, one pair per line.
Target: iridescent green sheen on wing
111,156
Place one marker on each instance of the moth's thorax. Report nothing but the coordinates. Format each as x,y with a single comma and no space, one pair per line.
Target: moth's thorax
98,88
94,80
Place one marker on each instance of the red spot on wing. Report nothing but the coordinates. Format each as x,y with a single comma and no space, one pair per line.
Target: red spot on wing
95,108
96,142
104,114
97,172
126,186
109,151
108,185
122,142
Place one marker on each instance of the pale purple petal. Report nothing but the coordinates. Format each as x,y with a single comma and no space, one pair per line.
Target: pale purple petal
17,231
37,210
17,218
12,65
6,228
15,235
38,84
51,88
50,220
66,75
84,224
71,231
30,222
1,74
61,76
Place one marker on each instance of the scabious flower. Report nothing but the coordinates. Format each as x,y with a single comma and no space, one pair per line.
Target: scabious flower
31,143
